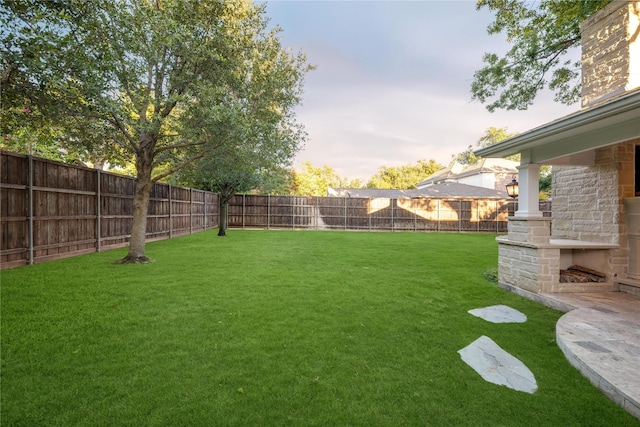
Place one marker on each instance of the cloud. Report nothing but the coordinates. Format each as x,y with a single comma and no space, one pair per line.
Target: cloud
393,81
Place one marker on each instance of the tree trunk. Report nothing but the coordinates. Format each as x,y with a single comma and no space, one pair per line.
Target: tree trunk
144,185
224,209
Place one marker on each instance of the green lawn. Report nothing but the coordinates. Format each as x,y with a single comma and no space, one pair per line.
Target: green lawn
268,328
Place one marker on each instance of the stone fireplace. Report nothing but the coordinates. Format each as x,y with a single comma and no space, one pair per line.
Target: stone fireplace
595,219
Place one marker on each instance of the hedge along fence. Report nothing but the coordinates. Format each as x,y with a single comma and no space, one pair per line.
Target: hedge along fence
51,210
345,213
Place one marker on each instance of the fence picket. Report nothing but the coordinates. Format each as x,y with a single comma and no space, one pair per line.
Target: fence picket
30,260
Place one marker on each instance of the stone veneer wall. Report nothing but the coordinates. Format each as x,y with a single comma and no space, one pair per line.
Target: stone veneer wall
588,201
626,188
532,269
588,204
610,51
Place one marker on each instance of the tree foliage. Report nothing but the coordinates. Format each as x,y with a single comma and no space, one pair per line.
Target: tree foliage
491,136
170,80
541,34
227,174
316,181
278,180
403,177
545,182
40,69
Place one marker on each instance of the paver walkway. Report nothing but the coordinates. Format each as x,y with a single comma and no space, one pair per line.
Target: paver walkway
600,336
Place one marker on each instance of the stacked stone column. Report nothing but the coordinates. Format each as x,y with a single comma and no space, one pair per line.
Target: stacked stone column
526,258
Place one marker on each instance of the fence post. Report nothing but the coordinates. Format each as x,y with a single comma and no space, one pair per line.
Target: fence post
438,216
459,216
392,215
204,194
268,211
30,208
190,211
345,212
226,216
170,214
317,213
98,213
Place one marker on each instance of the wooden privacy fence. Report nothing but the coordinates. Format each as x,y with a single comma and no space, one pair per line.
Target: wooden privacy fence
52,210
345,213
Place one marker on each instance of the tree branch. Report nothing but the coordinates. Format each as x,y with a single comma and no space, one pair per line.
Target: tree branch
176,146
6,72
179,166
118,123
127,87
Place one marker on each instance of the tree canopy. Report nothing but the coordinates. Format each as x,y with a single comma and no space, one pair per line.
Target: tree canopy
491,136
262,144
540,34
403,177
310,180
170,81
36,87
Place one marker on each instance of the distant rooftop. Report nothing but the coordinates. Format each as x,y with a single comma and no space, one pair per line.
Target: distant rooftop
445,189
456,171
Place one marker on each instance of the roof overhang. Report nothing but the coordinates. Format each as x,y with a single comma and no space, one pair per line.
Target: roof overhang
572,139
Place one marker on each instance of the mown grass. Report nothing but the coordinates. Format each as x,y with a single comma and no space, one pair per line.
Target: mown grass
279,328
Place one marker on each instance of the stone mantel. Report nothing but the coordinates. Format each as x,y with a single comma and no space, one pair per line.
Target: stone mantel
558,244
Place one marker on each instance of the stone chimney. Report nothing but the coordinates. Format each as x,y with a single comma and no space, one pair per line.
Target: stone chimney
611,51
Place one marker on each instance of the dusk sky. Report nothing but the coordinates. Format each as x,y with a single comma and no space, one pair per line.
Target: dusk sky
392,84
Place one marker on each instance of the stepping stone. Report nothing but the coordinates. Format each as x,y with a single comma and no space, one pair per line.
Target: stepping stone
497,366
499,314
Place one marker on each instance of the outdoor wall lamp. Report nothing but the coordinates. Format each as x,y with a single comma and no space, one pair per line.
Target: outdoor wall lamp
512,188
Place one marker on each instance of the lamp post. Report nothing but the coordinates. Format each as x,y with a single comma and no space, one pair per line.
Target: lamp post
512,188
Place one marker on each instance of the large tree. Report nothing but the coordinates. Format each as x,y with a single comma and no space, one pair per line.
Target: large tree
541,34
168,76
264,136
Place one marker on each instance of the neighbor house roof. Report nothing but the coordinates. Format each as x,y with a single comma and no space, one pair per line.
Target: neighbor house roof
455,189
482,166
445,189
489,165
443,174
572,139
